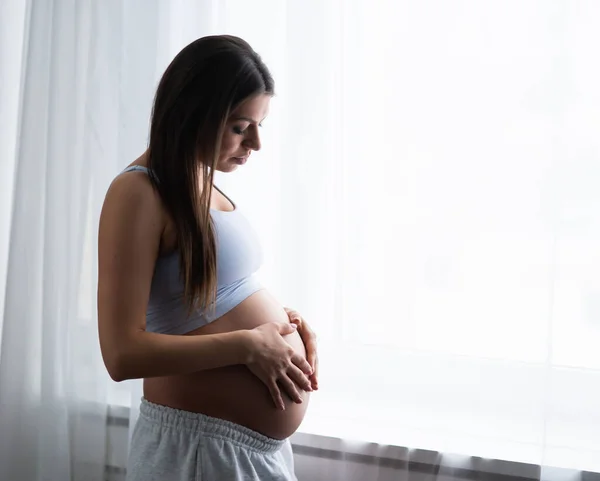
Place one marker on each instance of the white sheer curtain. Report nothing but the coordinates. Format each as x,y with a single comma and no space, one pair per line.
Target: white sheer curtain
74,103
425,195
51,408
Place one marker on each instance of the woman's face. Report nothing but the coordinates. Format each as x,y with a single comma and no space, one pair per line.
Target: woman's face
241,134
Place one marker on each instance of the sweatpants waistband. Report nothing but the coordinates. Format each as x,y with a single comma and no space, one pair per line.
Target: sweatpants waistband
209,426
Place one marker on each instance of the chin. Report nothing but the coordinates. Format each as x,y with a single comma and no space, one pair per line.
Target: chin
227,167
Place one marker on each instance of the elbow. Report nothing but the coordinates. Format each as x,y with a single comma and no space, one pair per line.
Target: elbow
117,375
115,370
117,366
119,356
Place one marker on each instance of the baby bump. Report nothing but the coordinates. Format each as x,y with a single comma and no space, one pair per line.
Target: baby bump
234,393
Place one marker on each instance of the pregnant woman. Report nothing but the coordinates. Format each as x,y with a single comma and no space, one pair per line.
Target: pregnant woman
227,370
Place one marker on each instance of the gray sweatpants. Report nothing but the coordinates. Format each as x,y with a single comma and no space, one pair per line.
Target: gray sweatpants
173,445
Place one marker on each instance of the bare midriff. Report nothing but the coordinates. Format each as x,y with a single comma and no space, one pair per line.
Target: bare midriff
233,393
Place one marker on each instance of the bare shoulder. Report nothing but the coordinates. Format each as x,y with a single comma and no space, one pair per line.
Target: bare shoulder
132,220
133,191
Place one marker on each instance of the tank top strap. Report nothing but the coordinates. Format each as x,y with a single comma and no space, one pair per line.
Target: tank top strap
136,168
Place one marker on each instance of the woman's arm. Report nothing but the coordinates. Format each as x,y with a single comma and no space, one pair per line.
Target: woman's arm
147,354
131,226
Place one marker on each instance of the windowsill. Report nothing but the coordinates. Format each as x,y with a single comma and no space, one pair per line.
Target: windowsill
406,459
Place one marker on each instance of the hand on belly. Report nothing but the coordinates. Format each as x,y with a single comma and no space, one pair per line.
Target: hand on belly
276,363
235,393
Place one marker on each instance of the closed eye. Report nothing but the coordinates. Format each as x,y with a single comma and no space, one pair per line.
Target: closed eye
239,131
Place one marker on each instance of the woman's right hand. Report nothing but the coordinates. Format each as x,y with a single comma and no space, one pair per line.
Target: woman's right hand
276,363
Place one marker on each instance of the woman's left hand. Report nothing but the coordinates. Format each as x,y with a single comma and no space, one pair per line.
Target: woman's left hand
309,339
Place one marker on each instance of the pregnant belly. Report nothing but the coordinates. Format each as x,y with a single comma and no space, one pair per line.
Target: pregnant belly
234,393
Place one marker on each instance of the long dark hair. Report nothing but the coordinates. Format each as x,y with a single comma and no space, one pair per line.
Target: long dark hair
200,88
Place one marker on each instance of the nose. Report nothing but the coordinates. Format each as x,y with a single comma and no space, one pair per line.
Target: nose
253,141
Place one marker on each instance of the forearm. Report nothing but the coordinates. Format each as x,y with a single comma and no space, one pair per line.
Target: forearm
149,354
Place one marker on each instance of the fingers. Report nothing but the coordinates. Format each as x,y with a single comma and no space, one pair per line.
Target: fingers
290,389
310,343
294,317
276,395
314,376
299,378
311,353
302,364
311,356
287,328
313,360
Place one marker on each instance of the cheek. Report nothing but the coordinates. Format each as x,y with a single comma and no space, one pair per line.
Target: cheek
229,145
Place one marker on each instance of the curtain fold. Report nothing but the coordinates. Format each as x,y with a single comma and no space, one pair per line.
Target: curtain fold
78,117
45,414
